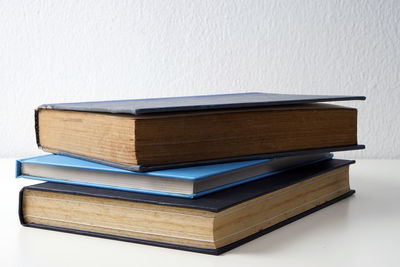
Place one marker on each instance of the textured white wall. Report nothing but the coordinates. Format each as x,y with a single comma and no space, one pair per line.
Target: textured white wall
56,51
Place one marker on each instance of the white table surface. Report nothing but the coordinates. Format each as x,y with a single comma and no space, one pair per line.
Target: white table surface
363,230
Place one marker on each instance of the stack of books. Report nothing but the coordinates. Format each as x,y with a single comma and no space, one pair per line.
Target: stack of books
204,173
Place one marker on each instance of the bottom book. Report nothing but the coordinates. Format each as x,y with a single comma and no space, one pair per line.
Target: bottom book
212,224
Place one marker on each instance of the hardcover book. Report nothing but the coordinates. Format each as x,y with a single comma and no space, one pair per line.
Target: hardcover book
186,182
150,134
211,224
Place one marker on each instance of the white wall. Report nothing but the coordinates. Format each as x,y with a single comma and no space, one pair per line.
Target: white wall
55,51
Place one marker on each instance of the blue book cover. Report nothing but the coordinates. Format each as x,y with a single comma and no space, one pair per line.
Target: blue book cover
188,182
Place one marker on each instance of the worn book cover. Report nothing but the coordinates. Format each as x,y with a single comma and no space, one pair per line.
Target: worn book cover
153,134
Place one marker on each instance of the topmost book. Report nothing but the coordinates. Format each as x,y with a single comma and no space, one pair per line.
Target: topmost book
153,133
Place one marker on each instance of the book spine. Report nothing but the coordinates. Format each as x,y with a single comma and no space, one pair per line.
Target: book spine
37,128
17,168
20,207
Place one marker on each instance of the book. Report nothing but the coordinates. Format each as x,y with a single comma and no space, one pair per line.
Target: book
149,134
189,182
212,224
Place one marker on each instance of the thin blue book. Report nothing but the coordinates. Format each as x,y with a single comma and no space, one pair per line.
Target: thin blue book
188,182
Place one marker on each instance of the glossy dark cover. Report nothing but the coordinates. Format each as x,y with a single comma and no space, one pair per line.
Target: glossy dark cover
215,202
217,251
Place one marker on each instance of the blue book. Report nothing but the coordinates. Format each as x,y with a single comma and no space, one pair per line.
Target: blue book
188,182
